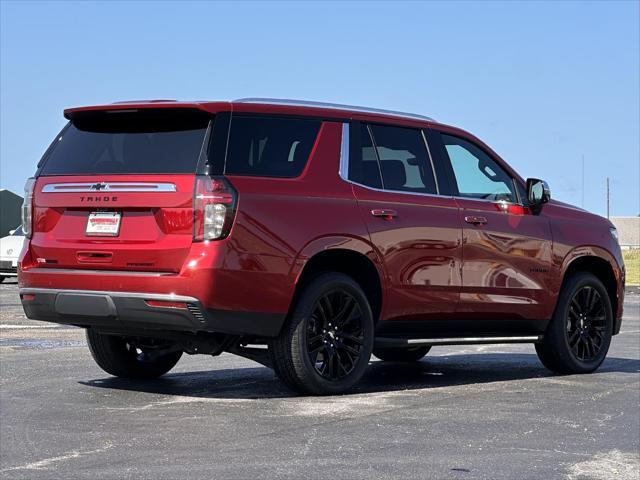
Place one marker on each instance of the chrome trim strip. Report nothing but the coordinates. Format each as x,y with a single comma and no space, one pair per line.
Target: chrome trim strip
80,271
344,152
145,296
417,194
472,340
441,195
335,106
110,187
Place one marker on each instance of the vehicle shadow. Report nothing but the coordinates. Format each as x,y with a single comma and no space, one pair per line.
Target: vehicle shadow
430,373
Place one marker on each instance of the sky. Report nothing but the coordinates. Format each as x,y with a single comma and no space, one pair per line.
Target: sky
545,84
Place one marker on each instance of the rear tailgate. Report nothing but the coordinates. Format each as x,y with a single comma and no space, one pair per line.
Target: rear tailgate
115,190
155,225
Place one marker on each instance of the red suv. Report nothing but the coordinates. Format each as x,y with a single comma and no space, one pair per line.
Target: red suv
305,236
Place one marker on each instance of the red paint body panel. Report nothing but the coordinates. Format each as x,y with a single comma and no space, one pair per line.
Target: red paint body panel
421,249
431,263
508,269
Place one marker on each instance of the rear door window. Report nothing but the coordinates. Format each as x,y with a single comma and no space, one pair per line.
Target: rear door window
270,146
129,142
404,161
363,164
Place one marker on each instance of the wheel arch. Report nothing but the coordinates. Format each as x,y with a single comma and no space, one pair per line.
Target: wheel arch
350,256
602,265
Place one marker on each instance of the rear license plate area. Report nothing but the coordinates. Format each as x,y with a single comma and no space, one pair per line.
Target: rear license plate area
103,224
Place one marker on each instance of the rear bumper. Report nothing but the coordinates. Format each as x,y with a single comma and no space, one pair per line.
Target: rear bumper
123,311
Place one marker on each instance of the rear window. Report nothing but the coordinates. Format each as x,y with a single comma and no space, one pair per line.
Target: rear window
145,141
270,147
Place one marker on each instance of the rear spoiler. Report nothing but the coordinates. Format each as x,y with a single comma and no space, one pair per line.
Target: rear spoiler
209,107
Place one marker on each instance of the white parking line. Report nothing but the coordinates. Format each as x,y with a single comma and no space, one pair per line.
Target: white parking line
20,327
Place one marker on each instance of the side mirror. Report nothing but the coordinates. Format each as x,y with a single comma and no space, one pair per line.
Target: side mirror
538,192
11,232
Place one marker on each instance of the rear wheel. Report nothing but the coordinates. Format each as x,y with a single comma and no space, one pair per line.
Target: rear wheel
577,339
325,346
411,354
132,357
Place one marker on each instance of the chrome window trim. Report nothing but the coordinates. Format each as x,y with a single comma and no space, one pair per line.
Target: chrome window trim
417,194
145,296
485,200
344,151
110,187
335,106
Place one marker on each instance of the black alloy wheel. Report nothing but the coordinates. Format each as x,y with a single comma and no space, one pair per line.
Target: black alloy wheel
586,323
578,336
334,334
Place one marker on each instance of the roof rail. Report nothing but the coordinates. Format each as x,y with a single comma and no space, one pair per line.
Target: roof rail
337,106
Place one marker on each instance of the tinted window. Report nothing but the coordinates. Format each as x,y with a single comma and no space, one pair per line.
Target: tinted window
146,141
270,147
477,175
364,169
403,159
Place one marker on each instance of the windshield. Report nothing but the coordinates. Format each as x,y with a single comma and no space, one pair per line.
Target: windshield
145,141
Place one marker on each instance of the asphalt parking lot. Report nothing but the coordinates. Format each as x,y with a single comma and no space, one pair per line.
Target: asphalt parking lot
462,413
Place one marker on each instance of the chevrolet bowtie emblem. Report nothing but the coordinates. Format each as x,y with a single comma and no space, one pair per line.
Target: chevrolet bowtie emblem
98,186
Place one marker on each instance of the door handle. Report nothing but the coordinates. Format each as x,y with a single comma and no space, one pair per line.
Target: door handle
475,220
385,213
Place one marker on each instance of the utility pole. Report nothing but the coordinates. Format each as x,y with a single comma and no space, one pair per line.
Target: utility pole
608,197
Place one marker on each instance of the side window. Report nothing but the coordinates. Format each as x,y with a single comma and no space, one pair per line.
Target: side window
363,164
403,157
270,147
477,175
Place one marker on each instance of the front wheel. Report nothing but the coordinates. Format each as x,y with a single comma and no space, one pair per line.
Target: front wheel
578,337
127,357
325,346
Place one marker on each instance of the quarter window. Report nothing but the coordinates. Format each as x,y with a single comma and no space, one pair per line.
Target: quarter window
476,174
270,147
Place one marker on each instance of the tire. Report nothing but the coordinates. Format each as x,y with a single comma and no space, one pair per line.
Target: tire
578,338
331,322
411,354
117,356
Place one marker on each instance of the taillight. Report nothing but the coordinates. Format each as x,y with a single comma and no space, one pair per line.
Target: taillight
27,207
214,206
